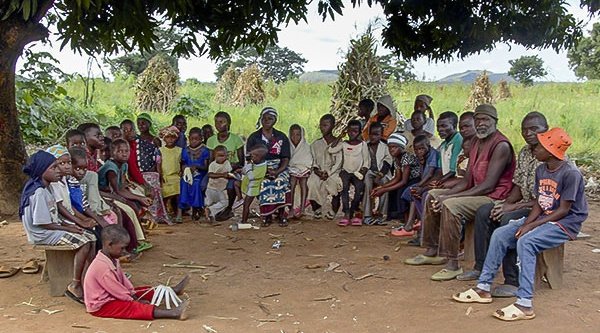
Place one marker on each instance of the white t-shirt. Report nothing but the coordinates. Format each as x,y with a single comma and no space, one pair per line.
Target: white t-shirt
219,184
61,194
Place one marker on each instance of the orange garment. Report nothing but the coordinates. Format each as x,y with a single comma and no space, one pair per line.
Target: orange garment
389,126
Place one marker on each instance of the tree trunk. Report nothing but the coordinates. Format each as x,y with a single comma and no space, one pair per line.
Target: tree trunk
14,35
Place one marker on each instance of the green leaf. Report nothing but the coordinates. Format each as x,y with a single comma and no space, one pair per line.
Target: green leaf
26,8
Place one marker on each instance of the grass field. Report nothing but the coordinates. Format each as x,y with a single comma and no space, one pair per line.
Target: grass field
568,105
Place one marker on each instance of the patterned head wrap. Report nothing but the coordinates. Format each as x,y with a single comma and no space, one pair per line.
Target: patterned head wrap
268,110
397,139
57,151
169,131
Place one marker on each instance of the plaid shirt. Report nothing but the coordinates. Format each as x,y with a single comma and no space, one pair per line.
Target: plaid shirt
524,176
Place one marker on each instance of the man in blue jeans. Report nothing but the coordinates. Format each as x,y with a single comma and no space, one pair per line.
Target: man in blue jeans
556,217
517,205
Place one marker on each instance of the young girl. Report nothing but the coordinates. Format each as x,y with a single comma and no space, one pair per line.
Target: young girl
170,168
110,294
194,164
38,211
235,156
407,171
300,164
356,160
144,167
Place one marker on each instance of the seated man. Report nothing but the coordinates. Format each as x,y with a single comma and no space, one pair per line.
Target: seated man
517,205
556,217
489,178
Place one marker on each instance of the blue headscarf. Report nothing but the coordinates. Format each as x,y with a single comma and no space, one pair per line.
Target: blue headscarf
37,164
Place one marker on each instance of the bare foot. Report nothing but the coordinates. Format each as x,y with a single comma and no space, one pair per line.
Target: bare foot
181,310
180,287
483,293
526,310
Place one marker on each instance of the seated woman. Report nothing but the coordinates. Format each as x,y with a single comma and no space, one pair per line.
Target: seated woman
275,193
39,213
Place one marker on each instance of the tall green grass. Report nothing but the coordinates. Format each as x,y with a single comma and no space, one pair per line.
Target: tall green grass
568,105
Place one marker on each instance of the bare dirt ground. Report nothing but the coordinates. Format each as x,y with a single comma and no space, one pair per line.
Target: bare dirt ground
249,287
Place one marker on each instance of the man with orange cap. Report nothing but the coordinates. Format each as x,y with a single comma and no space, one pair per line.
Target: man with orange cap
559,211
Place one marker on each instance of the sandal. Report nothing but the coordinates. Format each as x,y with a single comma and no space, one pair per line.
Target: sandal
330,215
72,296
380,221
31,267
356,221
343,222
471,296
512,313
425,260
369,220
266,222
283,222
143,246
6,272
401,232
504,291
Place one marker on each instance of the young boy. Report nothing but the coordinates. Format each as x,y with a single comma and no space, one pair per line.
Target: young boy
219,173
557,215
113,133
94,142
365,108
355,163
110,294
253,174
379,168
324,180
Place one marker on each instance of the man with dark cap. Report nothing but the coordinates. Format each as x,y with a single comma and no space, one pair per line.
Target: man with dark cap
488,179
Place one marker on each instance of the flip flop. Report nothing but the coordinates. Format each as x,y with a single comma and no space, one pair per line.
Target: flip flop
369,220
471,296
6,272
512,313
400,232
73,297
356,221
343,222
380,221
143,246
31,267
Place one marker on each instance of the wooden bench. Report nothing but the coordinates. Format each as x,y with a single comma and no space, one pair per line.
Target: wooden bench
58,269
550,264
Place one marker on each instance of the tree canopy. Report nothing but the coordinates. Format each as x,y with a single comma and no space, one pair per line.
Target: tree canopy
584,57
527,68
276,63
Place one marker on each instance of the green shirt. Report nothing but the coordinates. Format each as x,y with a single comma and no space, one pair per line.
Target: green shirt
233,143
449,151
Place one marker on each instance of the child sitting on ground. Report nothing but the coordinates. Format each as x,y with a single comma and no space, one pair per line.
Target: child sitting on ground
219,173
38,211
170,170
110,294
378,173
355,163
253,174
299,166
557,215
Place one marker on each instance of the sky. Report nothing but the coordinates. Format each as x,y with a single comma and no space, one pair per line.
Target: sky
324,44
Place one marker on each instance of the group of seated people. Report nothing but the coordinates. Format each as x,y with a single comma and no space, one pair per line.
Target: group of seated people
100,191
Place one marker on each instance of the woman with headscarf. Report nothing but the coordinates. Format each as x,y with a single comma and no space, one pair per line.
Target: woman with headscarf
147,133
38,211
275,189
386,115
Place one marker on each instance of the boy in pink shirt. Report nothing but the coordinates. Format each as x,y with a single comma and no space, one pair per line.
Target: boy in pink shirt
109,293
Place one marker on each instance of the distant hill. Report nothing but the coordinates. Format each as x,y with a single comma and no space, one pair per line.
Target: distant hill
470,76
319,76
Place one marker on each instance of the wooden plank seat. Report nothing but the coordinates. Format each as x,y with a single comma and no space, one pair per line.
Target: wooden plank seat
549,265
58,269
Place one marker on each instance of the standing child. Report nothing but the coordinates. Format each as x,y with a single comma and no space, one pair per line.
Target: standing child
38,211
378,173
194,160
113,133
254,173
556,217
219,173
170,169
325,180
110,294
355,163
300,164
207,132
180,122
